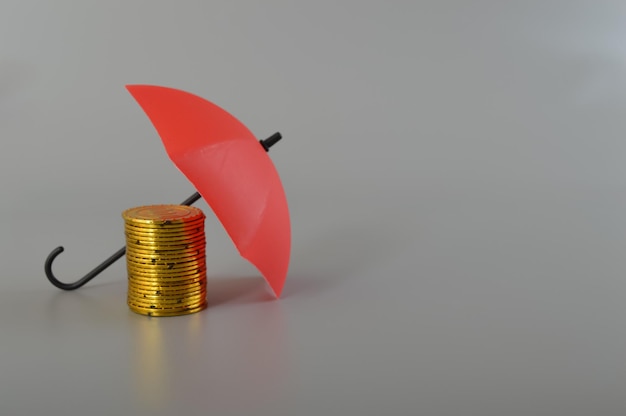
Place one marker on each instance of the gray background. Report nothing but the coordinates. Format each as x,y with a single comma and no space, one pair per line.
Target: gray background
455,174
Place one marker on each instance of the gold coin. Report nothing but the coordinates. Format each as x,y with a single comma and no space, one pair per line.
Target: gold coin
153,233
158,313
199,252
162,281
166,275
173,280
147,288
149,258
159,269
165,250
132,248
162,214
165,294
166,302
165,246
164,233
168,270
182,239
167,288
138,258
142,227
150,234
155,298
171,285
164,311
174,303
171,307
165,260
187,229
166,307
169,265
174,286
185,240
167,280
171,301
149,271
183,252
147,264
168,249
165,227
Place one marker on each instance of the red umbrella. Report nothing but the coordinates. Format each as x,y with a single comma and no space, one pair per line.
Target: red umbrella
229,168
225,163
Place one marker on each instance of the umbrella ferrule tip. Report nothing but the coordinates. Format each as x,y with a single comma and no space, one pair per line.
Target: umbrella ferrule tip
270,141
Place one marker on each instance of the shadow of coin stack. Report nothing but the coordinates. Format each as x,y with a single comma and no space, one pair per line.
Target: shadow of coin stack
165,259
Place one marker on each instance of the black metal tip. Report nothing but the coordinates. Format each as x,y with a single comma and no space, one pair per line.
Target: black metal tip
270,141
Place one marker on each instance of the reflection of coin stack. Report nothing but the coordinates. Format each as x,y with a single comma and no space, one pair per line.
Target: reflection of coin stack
165,259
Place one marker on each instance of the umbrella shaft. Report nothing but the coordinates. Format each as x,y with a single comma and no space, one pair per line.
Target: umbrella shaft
193,198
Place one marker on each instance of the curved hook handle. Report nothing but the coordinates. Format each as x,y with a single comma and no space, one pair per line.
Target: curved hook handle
87,277
267,143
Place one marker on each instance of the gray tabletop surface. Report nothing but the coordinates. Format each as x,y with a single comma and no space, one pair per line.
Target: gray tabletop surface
456,180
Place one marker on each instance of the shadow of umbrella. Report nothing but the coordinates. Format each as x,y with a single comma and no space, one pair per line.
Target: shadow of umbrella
342,251
237,290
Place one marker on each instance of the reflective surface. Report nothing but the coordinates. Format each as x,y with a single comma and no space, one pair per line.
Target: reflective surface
455,172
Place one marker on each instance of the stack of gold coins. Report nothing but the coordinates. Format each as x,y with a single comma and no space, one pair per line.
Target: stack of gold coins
165,259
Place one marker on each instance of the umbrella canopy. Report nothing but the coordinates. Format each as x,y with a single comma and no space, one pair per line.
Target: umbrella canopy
230,169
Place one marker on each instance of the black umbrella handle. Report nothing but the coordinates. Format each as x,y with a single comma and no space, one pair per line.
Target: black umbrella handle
267,143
